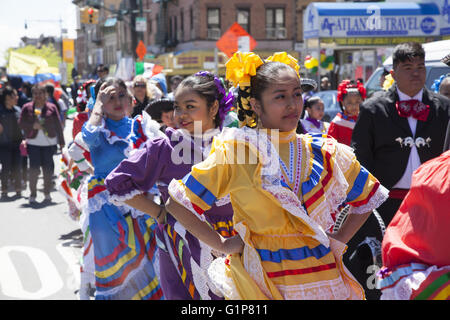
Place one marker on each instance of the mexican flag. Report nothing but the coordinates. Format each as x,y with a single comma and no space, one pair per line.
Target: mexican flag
147,69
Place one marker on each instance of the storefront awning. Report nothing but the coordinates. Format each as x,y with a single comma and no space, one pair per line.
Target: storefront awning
370,19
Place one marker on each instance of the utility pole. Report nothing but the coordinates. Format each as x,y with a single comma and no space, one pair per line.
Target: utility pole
161,36
134,38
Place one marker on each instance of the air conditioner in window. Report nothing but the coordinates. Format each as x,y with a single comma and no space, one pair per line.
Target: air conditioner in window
214,33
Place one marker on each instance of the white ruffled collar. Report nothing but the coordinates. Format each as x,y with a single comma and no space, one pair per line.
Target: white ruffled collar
150,129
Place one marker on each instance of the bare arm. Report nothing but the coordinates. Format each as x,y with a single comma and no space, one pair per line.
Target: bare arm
203,231
351,225
144,204
104,94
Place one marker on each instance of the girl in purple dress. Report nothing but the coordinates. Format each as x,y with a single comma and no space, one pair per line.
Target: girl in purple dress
201,103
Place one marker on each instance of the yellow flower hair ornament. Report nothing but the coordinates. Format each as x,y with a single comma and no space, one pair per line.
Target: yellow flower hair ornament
388,82
285,58
241,67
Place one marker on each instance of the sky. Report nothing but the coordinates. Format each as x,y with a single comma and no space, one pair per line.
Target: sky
14,13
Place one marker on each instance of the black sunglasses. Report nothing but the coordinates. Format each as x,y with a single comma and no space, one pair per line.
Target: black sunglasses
140,85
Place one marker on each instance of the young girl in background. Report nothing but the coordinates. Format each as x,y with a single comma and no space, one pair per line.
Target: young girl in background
313,122
84,94
123,239
282,187
350,96
200,106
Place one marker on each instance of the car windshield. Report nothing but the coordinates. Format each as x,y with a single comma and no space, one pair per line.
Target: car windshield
373,84
328,98
331,105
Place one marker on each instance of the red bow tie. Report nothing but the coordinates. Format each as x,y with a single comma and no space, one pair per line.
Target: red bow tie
413,108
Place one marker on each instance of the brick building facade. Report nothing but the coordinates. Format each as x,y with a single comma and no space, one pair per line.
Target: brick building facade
198,24
185,25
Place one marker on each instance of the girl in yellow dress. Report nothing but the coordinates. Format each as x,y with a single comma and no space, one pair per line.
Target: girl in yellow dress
283,188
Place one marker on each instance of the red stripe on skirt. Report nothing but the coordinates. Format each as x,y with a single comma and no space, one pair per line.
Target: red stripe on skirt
157,296
301,271
131,266
113,256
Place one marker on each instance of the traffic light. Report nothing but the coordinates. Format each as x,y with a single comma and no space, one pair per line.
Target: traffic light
84,18
89,15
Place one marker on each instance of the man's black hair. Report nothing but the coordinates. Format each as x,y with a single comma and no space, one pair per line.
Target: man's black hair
407,51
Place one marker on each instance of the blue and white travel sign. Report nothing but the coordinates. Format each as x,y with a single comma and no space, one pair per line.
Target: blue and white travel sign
371,19
444,7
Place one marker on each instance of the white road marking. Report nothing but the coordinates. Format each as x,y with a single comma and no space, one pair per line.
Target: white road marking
10,282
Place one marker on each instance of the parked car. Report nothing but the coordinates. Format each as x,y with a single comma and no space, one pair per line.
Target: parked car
329,98
434,52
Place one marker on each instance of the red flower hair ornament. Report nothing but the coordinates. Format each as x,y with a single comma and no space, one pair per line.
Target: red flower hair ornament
346,86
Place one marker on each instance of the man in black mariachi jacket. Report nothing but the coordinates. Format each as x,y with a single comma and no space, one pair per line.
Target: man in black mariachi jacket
395,133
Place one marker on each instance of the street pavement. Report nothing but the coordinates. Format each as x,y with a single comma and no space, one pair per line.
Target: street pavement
40,245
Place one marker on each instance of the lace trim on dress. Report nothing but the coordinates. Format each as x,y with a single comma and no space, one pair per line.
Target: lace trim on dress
223,201
178,193
344,159
149,127
96,203
119,200
323,290
380,196
221,284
